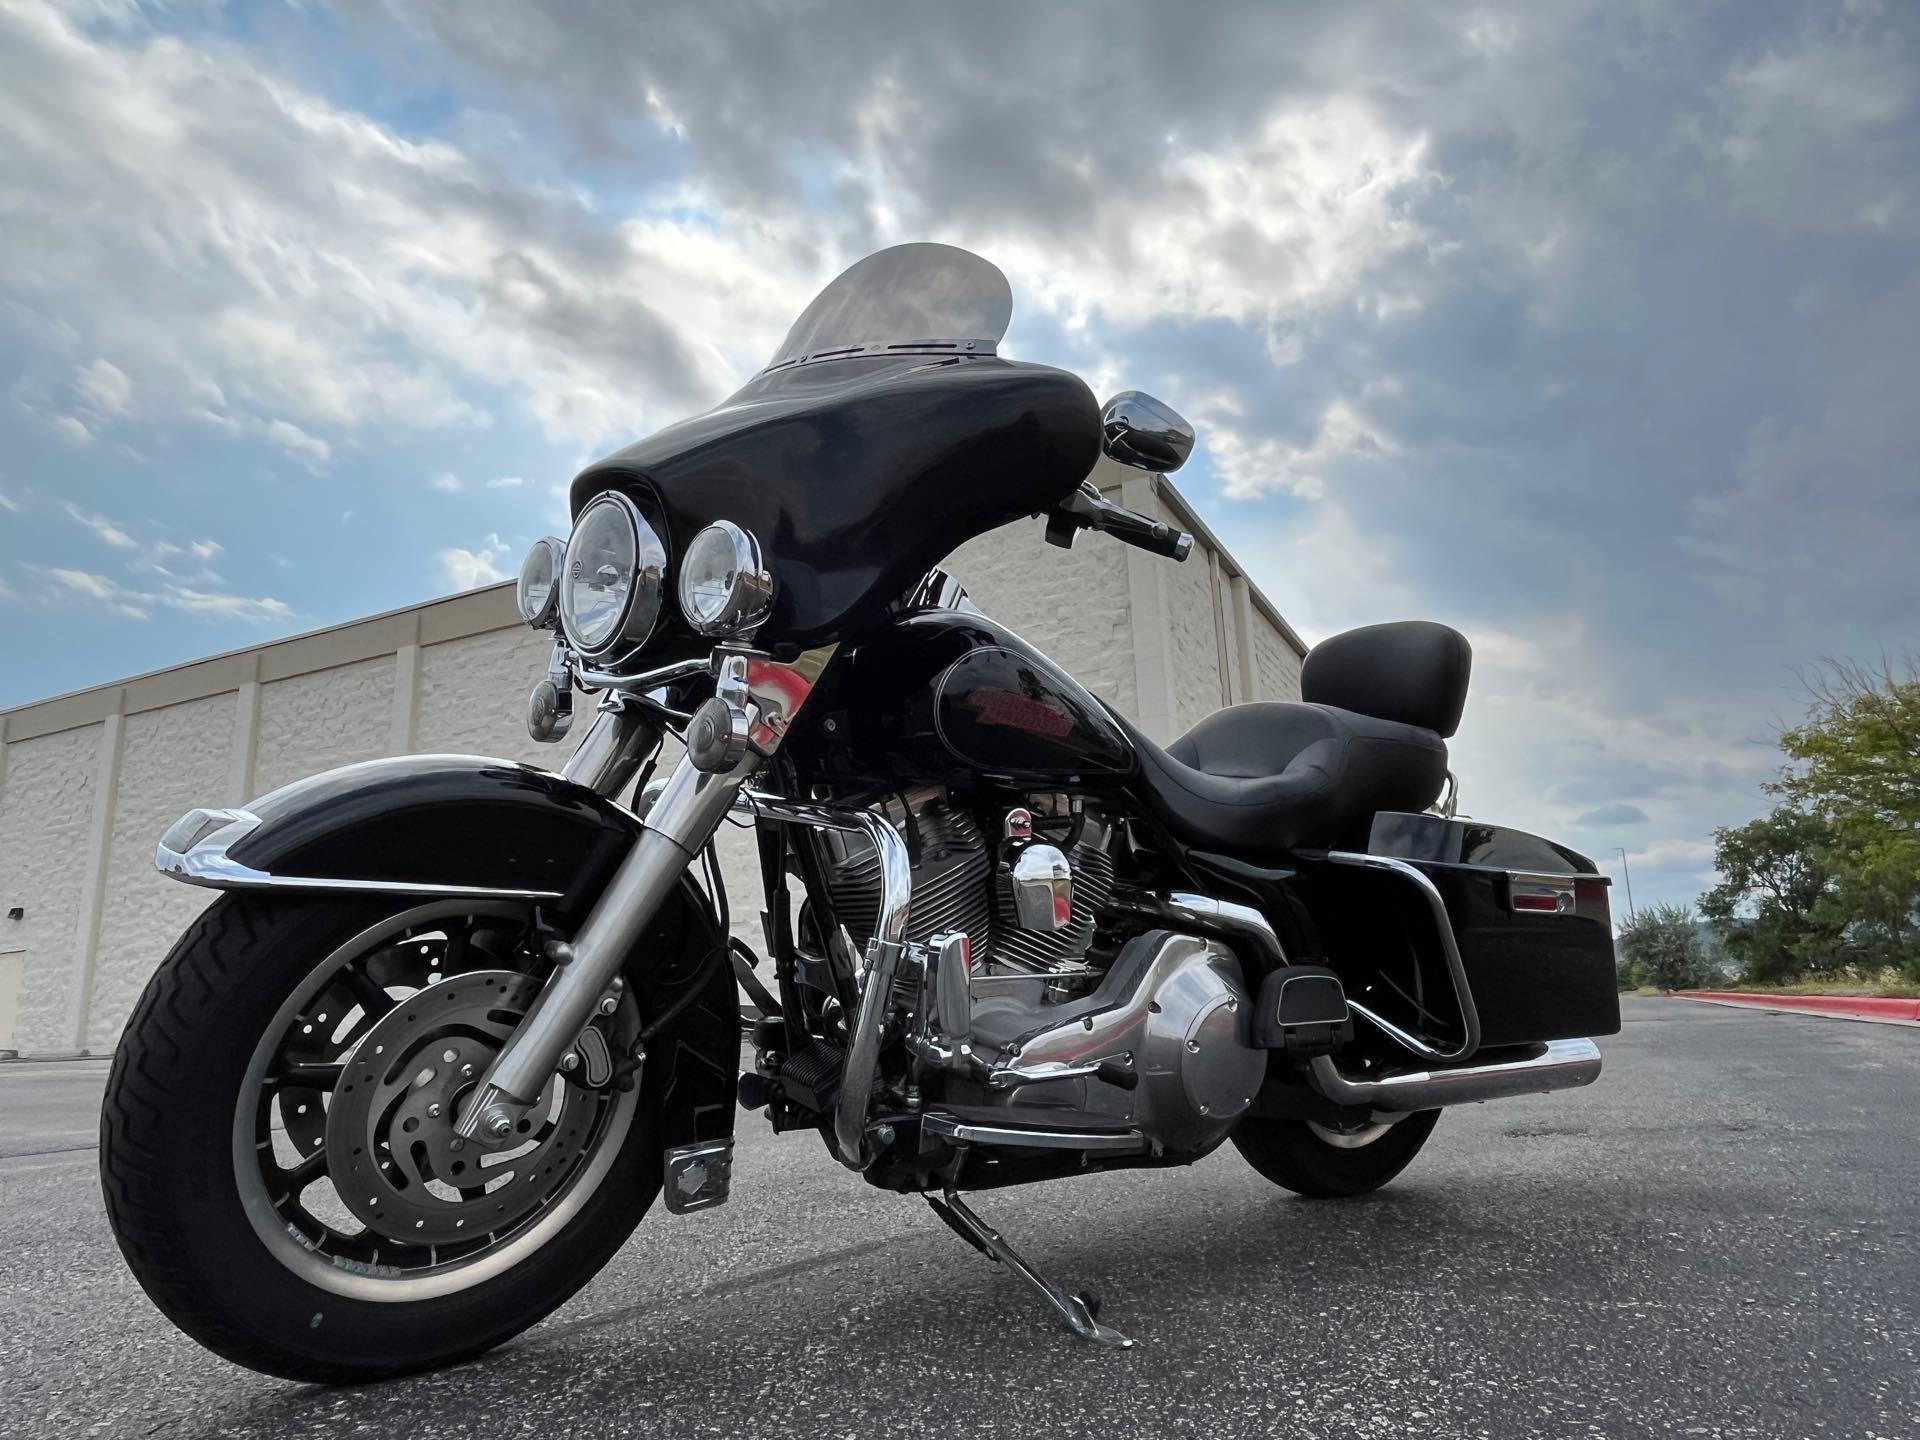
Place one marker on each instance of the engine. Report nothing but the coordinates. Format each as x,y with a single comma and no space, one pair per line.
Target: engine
962,881
1151,1037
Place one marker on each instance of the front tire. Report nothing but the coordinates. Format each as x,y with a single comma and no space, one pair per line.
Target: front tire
203,1169
1322,1165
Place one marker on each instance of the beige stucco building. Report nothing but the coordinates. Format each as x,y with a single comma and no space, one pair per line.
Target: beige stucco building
88,781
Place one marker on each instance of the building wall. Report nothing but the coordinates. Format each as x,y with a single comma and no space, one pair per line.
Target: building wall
315,722
45,807
89,781
1072,604
172,759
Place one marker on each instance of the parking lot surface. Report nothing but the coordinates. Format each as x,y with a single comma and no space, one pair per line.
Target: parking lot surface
1721,1238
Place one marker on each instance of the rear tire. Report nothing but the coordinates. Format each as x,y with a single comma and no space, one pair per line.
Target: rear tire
174,1176
1293,1155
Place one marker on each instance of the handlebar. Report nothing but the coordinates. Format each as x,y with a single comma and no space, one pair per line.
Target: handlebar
1088,509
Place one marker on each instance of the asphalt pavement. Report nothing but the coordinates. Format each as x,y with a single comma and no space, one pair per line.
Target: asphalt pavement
1720,1238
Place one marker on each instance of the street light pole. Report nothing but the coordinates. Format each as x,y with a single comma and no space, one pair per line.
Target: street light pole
1624,870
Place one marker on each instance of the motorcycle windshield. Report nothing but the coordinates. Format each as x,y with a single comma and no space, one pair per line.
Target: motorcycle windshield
886,432
918,298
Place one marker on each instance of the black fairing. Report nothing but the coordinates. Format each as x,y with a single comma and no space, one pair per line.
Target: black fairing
859,475
944,696
442,820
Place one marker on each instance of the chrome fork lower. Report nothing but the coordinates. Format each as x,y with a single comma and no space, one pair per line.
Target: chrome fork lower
587,972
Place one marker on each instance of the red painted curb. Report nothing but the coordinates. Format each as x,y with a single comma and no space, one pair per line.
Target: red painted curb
1879,1007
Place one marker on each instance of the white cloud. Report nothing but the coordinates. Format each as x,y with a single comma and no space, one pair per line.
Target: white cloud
298,443
108,530
446,480
1696,855
104,387
225,607
205,549
325,273
71,430
464,569
1838,86
196,603
1797,129
506,482
7,502
1252,466
98,587
1279,221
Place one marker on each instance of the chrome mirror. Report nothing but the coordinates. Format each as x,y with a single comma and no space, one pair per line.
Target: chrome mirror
1146,433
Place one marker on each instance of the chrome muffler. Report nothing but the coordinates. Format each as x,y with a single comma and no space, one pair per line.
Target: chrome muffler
1555,1065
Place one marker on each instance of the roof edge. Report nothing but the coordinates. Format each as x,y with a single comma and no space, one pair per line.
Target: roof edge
479,611
1190,519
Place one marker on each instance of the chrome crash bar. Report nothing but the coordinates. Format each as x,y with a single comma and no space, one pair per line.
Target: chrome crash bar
1456,968
884,954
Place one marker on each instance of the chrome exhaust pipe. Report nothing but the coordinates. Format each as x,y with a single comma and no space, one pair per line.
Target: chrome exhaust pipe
1556,1065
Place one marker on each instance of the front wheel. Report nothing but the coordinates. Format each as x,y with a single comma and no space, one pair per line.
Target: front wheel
1325,1164
277,1148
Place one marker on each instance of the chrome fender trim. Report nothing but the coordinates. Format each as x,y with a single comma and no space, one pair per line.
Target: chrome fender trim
194,851
1555,1065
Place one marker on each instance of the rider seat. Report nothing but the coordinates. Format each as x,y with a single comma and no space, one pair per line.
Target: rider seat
1369,735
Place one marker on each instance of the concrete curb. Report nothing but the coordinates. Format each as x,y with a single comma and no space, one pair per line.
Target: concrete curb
1886,1009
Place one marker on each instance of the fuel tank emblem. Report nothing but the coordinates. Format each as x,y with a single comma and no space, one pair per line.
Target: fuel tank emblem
1019,712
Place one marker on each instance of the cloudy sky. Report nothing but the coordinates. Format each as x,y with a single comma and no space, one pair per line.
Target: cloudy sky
1588,328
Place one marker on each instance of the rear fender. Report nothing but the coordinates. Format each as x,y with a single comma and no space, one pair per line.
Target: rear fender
463,825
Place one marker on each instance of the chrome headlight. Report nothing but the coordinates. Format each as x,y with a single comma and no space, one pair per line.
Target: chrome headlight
538,593
723,587
615,574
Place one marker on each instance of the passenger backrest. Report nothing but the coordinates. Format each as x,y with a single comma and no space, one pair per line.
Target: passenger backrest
1413,671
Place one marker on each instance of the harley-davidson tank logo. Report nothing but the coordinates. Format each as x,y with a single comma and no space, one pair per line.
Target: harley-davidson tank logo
1019,712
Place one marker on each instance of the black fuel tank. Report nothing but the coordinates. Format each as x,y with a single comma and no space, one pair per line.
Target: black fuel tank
944,696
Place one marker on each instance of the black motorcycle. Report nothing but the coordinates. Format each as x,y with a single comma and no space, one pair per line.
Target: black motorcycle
457,1022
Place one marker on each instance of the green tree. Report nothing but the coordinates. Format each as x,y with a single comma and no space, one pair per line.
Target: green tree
1661,946
1855,764
1768,906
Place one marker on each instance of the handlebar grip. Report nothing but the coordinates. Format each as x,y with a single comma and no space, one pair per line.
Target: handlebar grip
1154,535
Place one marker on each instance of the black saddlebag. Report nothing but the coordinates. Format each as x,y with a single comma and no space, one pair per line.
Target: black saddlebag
1530,919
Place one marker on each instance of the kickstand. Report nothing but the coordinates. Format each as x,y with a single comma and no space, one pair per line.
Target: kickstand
1081,1312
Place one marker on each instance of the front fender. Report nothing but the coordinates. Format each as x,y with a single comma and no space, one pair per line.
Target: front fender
412,825
466,825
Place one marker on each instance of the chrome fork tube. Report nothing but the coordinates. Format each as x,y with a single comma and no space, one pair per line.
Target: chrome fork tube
674,832
612,751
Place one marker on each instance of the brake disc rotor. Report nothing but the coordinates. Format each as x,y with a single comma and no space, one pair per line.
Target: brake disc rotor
391,1150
